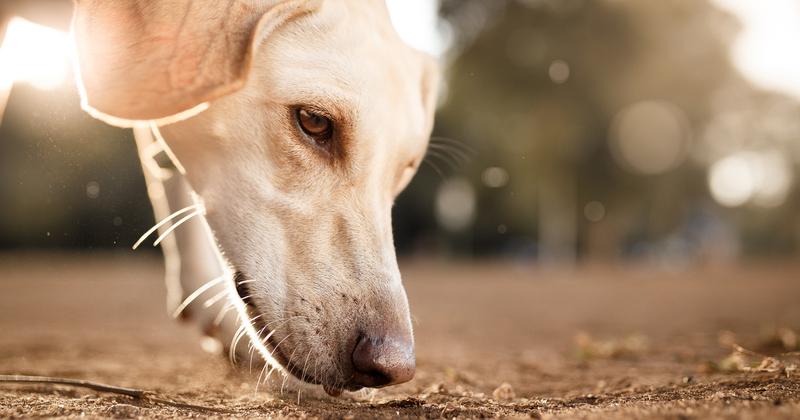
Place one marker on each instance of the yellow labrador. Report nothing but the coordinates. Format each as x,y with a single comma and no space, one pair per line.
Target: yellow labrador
292,125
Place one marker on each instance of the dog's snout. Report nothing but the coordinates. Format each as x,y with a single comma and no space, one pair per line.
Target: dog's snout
383,361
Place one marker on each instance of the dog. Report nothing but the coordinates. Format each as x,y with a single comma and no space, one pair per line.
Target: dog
290,127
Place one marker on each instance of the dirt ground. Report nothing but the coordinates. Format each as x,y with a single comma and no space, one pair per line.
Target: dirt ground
493,339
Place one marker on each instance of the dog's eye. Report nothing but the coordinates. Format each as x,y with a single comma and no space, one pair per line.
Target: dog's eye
314,125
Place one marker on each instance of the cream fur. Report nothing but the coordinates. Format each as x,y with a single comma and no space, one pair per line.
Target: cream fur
312,232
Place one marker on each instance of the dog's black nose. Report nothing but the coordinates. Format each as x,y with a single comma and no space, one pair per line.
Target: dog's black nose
383,361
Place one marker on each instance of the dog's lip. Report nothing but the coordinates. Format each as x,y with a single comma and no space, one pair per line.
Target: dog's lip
337,390
260,324
332,391
277,353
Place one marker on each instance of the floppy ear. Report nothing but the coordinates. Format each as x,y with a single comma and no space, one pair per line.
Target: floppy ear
164,60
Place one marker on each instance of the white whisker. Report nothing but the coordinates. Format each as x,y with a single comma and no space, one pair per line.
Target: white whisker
252,348
162,223
286,377
253,319
266,339
458,155
299,393
272,354
176,224
258,382
235,342
435,168
445,141
221,315
246,281
316,368
242,311
273,368
214,299
444,158
279,343
200,290
303,373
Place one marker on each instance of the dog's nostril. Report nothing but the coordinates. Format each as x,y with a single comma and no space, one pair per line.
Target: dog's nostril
383,361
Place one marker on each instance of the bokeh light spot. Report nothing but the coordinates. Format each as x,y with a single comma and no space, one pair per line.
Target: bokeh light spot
455,204
559,71
650,137
211,345
773,179
763,178
93,190
594,211
731,181
495,177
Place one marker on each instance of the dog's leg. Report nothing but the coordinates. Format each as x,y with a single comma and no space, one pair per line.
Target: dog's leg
189,253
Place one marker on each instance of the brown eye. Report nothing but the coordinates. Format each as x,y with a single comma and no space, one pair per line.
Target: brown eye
314,125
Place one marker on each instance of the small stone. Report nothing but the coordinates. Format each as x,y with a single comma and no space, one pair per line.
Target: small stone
124,411
504,392
436,388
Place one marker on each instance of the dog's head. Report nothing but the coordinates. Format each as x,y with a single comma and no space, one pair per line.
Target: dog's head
318,116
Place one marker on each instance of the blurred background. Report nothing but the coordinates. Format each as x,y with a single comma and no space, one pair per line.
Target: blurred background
609,208
569,131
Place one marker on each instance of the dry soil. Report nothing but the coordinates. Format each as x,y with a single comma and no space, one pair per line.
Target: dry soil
493,339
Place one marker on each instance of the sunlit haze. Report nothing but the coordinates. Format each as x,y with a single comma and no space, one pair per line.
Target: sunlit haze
417,23
766,49
34,54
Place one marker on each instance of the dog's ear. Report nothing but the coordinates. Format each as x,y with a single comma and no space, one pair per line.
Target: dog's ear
145,60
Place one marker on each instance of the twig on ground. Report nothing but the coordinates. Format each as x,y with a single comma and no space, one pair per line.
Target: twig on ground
131,392
741,360
24,379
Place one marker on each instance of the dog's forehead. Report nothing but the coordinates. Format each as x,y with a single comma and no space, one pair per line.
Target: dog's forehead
348,55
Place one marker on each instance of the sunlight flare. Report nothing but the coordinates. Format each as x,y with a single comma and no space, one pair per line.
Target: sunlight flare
34,54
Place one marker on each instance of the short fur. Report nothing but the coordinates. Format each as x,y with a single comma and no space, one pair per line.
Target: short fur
312,230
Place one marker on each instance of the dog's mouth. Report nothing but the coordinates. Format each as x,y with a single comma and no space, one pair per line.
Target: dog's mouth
269,339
